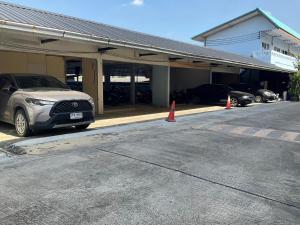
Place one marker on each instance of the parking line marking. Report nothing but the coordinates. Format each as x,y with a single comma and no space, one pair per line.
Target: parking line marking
239,130
219,127
263,133
289,136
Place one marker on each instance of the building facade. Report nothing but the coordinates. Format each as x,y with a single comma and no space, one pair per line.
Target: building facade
259,35
88,56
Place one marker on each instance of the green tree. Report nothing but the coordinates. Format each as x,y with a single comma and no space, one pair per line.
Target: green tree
294,90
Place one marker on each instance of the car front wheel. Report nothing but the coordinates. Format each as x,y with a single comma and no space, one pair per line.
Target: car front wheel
82,127
21,124
258,98
234,102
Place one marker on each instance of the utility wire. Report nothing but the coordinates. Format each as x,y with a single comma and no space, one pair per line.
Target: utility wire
234,40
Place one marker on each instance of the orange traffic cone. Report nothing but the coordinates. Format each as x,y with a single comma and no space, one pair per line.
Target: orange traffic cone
228,104
171,117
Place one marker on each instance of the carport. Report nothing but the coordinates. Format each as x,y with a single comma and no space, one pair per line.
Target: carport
135,83
90,56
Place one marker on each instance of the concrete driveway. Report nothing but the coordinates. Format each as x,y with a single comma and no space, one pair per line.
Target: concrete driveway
229,167
113,116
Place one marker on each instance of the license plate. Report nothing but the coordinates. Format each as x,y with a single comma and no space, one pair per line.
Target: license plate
76,116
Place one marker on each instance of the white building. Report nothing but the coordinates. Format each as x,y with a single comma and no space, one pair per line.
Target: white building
256,34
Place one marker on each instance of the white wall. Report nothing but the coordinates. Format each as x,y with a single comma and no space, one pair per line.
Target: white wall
255,24
276,42
182,78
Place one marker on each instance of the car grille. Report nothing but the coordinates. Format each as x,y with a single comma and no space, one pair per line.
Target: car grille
71,106
65,119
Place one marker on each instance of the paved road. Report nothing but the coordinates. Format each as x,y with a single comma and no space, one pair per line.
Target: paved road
229,167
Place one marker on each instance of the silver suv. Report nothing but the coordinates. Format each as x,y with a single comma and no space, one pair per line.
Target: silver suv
34,102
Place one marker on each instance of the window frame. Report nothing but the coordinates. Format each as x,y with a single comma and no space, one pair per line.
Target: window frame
265,45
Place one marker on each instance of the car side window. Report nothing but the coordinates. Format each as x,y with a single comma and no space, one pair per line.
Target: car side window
4,82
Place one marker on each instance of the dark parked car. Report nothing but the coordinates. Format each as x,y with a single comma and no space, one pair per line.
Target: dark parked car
261,95
218,93
264,95
32,102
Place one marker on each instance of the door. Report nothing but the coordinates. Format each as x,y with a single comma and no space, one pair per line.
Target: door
6,85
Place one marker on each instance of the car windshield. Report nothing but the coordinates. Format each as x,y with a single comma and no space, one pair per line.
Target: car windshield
38,82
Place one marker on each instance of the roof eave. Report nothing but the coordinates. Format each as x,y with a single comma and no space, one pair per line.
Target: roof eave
103,40
202,36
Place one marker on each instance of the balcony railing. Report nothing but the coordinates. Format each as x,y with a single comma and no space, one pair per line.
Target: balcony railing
277,59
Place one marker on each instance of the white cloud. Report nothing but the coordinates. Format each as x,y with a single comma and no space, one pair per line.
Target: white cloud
137,2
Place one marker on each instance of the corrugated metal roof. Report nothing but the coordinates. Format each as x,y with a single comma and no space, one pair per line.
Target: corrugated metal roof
39,18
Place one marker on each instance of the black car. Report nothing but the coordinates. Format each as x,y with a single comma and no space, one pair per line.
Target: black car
261,95
218,93
264,95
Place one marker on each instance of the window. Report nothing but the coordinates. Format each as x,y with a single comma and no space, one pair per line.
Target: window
284,52
277,49
265,46
38,81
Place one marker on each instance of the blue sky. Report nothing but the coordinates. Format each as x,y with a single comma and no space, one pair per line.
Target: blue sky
176,19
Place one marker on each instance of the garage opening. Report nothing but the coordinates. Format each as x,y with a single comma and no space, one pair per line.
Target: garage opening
258,79
225,78
183,80
74,76
81,75
127,83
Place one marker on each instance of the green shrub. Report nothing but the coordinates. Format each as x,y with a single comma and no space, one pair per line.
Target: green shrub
294,89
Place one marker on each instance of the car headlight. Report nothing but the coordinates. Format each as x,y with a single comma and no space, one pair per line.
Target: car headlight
39,102
91,101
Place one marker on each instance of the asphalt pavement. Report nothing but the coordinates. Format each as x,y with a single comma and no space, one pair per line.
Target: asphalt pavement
240,166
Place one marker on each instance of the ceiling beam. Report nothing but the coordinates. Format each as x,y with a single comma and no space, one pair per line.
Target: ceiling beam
197,61
146,54
172,59
44,41
103,50
215,64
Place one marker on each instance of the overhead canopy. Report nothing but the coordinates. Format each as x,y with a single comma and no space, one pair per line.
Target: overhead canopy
19,18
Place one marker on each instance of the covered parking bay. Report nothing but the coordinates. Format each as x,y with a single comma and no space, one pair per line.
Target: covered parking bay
87,56
134,83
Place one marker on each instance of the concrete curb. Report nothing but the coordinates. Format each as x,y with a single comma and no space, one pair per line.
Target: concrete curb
17,147
109,129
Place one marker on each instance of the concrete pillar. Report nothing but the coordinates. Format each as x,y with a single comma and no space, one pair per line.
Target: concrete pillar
161,86
210,77
100,105
132,89
107,78
89,78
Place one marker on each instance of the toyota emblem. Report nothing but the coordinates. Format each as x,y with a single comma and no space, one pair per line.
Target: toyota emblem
75,104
